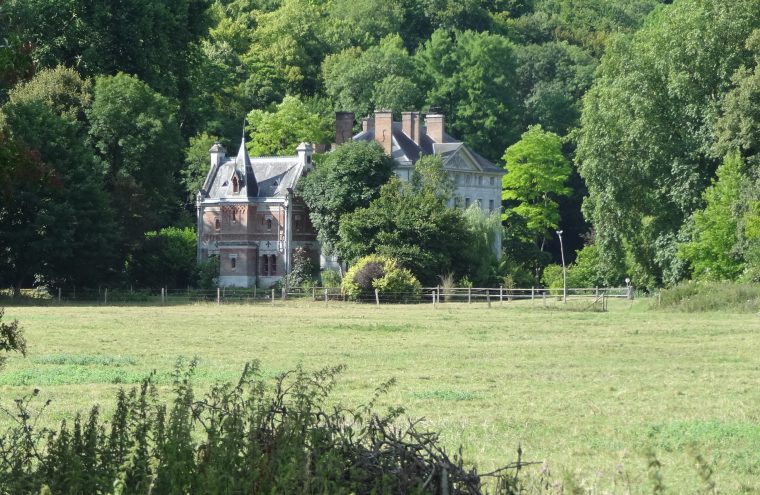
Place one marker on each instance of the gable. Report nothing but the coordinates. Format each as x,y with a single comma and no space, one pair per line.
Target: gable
461,160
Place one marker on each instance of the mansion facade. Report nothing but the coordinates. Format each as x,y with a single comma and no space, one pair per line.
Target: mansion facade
249,217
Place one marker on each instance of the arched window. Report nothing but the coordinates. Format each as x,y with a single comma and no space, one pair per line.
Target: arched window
269,224
217,224
233,263
299,223
264,264
273,264
235,184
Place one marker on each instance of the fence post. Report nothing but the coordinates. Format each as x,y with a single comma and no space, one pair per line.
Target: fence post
272,297
59,295
488,297
630,292
254,294
544,294
532,293
377,297
469,295
284,293
105,299
501,294
434,297
314,293
218,295
325,296
438,297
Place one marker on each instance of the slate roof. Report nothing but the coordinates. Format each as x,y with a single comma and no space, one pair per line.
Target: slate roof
263,177
406,151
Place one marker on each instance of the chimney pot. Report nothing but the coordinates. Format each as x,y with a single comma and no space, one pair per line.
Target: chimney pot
344,127
384,129
435,124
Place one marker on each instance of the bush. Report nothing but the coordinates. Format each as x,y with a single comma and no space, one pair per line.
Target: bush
552,277
381,273
208,273
695,297
11,338
330,278
239,438
303,269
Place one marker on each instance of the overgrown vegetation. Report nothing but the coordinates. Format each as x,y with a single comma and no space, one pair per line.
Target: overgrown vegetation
711,296
244,437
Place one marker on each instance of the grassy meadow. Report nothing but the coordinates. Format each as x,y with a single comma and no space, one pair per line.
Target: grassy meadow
589,393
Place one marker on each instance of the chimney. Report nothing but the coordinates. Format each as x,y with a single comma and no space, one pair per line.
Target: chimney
435,124
384,129
305,152
368,124
344,127
406,124
217,153
416,127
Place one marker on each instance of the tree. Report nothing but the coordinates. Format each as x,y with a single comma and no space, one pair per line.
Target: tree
484,231
381,273
537,172
56,224
411,223
136,133
711,251
164,259
11,338
473,81
648,123
346,179
383,76
197,164
293,121
61,89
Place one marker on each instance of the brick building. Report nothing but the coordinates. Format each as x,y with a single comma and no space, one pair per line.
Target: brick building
249,217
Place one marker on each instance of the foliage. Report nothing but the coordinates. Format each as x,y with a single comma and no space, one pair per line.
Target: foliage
553,277
166,258
348,178
382,273
473,80
136,132
537,173
208,273
484,233
197,164
11,338
352,82
61,89
330,278
251,438
647,133
693,297
413,226
711,251
303,269
56,224
293,122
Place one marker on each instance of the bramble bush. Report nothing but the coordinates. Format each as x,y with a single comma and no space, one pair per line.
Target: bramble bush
243,437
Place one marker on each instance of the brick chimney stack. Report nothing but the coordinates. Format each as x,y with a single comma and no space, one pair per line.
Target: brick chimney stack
344,127
435,124
410,124
384,129
368,124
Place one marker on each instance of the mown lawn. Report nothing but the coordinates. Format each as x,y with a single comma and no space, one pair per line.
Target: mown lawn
589,393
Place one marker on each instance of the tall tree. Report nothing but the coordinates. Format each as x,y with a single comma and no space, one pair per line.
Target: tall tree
135,131
648,129
293,121
344,180
537,174
473,80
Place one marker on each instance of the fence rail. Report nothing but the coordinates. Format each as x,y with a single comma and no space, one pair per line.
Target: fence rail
429,295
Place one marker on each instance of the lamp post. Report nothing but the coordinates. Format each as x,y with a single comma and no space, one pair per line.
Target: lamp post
564,269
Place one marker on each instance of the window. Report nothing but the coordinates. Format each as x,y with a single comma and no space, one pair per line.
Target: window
234,216
490,205
269,224
235,184
492,180
468,179
480,180
264,264
466,202
217,224
299,223
273,264
233,262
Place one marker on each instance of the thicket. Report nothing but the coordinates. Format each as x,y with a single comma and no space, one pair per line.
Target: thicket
695,297
244,437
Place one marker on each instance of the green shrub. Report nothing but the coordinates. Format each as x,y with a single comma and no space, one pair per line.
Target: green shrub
695,297
381,273
208,273
552,277
243,437
330,278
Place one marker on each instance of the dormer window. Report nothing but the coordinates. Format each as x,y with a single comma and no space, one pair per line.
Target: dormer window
235,184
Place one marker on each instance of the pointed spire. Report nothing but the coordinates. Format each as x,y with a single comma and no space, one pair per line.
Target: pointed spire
242,158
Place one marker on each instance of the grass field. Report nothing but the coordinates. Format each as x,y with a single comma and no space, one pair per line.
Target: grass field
589,393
